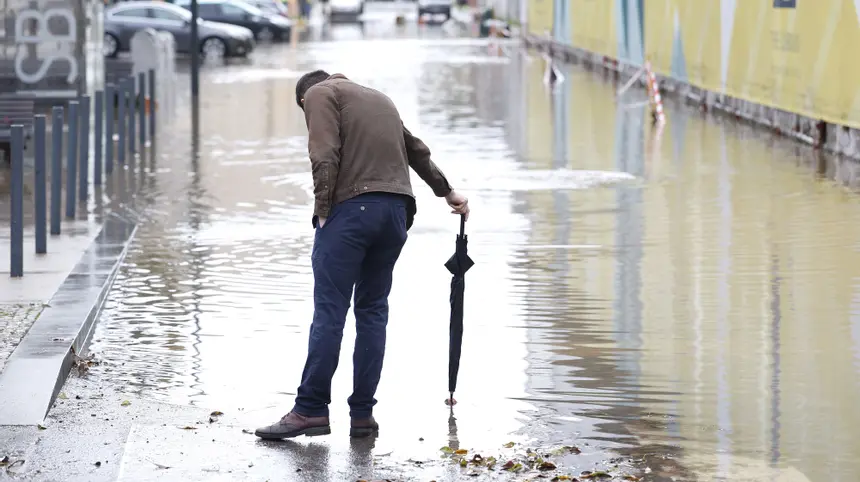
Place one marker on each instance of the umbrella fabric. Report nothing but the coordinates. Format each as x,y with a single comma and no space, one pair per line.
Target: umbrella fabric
458,264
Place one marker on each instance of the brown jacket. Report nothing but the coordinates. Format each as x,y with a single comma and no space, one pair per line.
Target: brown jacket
358,144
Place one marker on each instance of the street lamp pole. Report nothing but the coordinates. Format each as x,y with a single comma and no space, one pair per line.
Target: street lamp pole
195,57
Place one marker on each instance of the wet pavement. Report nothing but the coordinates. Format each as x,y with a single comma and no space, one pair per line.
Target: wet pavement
681,305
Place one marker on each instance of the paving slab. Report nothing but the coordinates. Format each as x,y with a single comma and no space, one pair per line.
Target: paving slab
43,273
36,370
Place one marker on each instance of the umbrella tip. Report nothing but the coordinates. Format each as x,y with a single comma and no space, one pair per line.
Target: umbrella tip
450,400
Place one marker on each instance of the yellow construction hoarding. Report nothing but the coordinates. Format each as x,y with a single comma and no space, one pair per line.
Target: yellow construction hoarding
794,55
594,26
540,16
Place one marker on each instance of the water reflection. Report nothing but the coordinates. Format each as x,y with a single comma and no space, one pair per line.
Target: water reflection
702,320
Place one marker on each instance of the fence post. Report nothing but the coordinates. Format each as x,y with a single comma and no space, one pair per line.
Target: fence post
132,97
71,159
110,118
56,167
84,145
152,104
120,120
98,138
141,106
41,196
16,261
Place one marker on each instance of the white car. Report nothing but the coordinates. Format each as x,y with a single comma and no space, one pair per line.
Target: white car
434,7
352,8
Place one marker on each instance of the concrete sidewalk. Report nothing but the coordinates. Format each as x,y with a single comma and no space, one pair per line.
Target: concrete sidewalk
22,299
52,310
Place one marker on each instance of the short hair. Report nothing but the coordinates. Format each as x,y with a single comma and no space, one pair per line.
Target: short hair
306,82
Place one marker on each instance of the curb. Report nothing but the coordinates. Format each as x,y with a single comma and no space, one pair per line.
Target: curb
37,369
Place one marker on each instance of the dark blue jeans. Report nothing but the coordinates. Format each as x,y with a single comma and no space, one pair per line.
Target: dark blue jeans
357,247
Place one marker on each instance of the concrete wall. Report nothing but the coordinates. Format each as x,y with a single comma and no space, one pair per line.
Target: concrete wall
787,65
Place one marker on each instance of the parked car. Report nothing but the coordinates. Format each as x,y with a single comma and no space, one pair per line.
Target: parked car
345,8
216,40
266,26
273,7
434,7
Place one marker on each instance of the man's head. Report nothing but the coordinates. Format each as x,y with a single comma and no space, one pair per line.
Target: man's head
306,82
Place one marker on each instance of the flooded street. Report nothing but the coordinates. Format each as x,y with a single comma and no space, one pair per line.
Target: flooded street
688,300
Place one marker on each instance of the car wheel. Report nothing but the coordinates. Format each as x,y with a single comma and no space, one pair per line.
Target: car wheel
213,48
111,46
265,35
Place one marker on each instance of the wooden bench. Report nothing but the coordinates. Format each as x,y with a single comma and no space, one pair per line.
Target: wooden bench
14,111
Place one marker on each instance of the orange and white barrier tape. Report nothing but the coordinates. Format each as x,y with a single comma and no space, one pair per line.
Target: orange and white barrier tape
654,94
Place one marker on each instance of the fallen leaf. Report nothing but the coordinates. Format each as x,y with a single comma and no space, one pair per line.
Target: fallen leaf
477,459
189,427
159,466
447,450
632,477
508,465
125,403
509,445
463,462
596,475
4,461
42,427
211,419
572,449
216,413
545,465
491,461
62,396
559,478
461,452
245,430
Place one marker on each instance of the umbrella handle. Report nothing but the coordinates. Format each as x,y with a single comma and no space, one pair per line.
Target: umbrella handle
462,225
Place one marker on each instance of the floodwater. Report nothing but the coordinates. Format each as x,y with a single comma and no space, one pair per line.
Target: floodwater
688,299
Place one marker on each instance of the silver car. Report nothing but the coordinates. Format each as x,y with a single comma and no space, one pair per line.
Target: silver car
216,40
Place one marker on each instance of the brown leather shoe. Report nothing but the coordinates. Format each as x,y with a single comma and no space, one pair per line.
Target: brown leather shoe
363,427
293,425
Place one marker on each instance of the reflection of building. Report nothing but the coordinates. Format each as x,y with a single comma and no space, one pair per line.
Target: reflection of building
715,295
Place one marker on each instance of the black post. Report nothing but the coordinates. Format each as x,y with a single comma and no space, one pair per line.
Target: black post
110,121
39,129
152,104
121,147
56,168
72,159
16,251
84,147
98,138
141,94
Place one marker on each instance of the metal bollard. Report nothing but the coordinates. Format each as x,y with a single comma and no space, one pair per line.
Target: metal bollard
56,167
16,260
39,127
84,145
152,104
141,108
98,138
110,119
72,159
120,120
132,98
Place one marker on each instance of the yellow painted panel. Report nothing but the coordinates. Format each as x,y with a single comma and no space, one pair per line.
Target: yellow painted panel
594,26
540,16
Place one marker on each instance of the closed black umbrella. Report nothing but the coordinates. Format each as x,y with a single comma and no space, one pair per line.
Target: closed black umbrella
457,265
